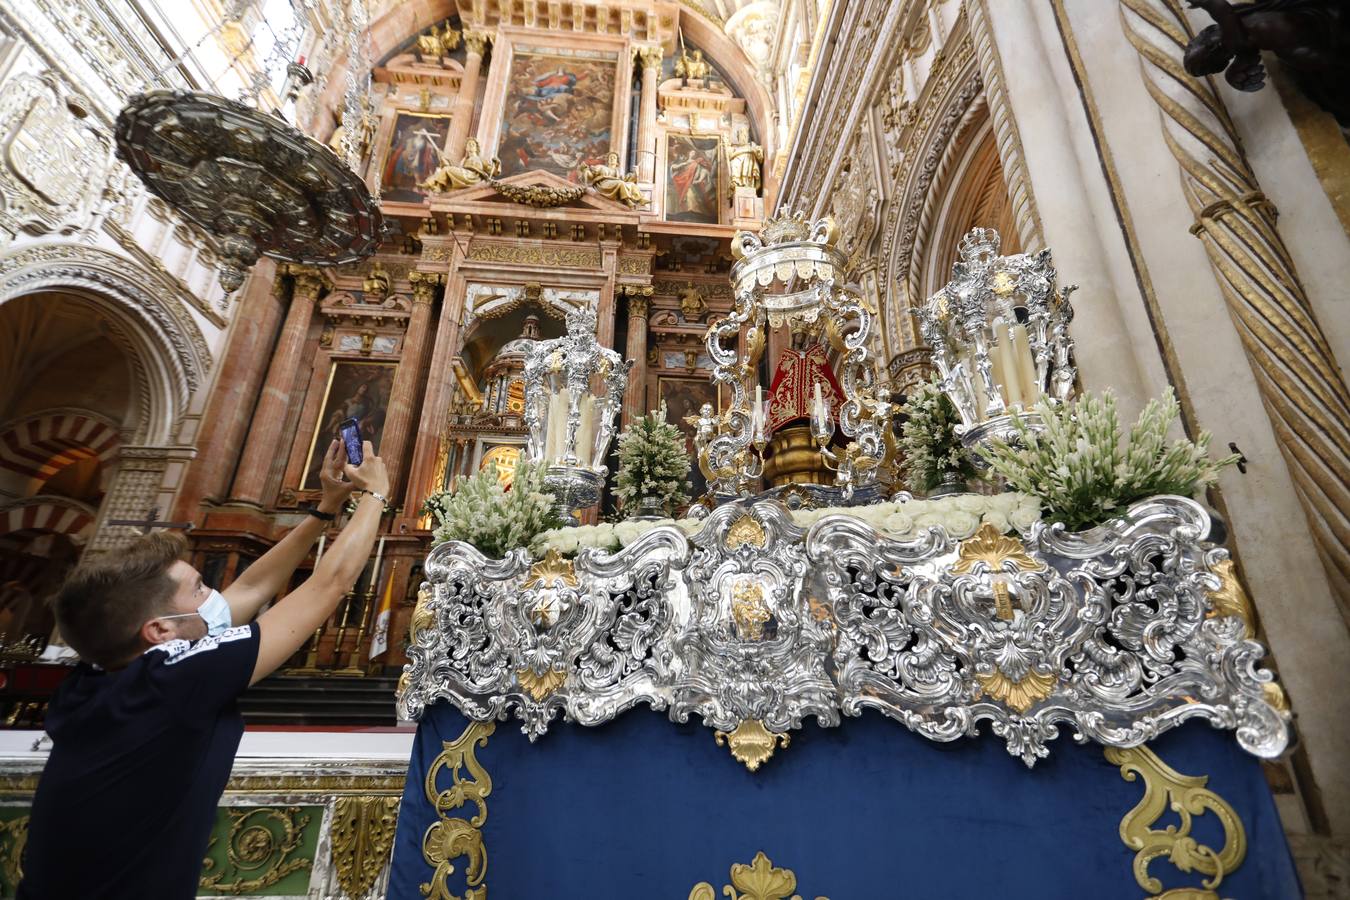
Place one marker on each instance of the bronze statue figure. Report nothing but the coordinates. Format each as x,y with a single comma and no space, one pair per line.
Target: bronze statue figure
1310,37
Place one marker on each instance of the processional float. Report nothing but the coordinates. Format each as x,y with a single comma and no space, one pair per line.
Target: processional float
583,700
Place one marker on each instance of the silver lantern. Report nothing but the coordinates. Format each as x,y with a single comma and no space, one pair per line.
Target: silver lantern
999,334
573,391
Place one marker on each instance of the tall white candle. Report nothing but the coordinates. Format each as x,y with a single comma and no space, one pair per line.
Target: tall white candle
319,555
379,555
1026,364
1005,370
585,449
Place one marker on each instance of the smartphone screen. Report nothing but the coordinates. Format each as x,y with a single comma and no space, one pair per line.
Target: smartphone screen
350,433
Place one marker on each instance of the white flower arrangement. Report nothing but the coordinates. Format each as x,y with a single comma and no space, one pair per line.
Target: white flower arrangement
1084,473
479,511
931,451
960,515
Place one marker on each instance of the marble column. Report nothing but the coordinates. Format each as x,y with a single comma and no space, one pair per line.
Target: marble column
269,416
635,396
645,164
440,390
403,395
475,45
237,382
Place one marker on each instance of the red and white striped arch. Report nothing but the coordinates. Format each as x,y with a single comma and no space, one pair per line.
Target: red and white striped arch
43,445
47,514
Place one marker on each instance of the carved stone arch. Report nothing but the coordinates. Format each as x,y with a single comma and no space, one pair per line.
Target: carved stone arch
930,155
168,353
972,195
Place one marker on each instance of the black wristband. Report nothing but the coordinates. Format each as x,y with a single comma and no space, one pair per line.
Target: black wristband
321,516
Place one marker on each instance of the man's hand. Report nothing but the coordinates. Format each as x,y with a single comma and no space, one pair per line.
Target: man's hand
371,475
335,490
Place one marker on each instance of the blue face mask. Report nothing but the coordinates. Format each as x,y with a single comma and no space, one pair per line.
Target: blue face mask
215,612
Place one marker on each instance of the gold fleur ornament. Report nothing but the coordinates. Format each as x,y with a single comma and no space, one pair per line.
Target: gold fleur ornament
990,548
746,531
760,880
550,571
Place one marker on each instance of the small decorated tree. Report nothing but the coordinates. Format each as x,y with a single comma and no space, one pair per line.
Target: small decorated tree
653,464
479,511
1085,474
933,454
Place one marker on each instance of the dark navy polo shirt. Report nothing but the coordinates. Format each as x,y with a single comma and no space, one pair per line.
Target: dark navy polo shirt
140,757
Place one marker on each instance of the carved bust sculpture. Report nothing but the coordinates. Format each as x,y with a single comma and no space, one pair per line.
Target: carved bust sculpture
473,169
1310,37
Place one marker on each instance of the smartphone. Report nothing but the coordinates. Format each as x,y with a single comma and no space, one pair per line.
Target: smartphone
350,434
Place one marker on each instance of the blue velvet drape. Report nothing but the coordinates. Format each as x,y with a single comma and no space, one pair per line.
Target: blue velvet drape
644,809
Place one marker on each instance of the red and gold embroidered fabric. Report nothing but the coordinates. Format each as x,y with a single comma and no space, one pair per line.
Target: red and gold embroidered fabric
793,385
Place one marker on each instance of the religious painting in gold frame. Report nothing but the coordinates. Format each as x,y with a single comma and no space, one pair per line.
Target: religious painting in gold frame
558,114
694,188
357,390
412,155
683,397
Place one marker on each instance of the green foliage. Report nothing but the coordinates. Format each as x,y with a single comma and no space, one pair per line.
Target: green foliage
496,521
932,451
652,464
1082,472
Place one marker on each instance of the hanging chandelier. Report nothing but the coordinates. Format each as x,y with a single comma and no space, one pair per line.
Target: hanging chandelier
256,183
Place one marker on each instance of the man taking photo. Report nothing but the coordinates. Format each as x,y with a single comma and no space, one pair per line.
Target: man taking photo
145,728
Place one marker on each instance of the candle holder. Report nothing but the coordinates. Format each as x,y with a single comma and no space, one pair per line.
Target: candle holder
999,334
573,391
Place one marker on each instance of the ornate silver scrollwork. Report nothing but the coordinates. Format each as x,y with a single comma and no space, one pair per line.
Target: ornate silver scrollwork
1114,631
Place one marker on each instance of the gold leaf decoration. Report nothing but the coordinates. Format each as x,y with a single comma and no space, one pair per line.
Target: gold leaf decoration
994,549
540,686
749,611
1018,695
1184,796
263,841
15,836
751,743
746,530
449,838
760,880
551,570
363,837
1230,599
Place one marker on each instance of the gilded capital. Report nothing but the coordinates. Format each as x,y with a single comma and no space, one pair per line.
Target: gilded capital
423,286
648,57
476,42
637,307
309,282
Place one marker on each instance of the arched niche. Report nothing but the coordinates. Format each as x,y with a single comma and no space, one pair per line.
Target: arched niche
973,195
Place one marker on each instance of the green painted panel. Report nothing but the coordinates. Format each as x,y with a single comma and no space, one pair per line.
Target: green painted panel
261,851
